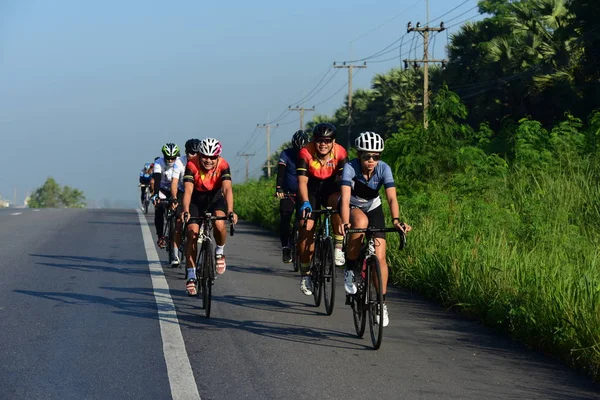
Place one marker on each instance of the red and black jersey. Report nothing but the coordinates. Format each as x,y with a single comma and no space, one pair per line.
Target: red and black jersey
207,181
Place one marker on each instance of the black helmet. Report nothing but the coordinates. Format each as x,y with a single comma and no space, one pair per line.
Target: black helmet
299,139
324,130
192,146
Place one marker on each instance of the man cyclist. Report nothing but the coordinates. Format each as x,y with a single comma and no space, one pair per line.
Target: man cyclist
286,188
360,206
207,183
165,168
145,180
319,165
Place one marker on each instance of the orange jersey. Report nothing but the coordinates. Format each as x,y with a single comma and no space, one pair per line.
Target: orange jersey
207,181
311,166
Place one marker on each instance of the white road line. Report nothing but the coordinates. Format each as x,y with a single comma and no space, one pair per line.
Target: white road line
179,370
17,213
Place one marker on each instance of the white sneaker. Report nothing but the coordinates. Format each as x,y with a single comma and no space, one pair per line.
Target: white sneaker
349,282
386,317
340,258
175,262
306,285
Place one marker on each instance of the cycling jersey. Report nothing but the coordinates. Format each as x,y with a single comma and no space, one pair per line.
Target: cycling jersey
286,175
365,193
310,165
207,181
167,174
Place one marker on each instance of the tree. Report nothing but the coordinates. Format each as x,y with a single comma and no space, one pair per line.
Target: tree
51,195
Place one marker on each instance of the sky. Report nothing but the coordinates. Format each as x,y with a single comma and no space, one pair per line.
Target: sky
91,90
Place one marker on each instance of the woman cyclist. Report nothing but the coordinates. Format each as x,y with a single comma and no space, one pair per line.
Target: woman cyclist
360,206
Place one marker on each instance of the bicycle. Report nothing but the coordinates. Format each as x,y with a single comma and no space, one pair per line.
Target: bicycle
293,238
169,227
147,196
369,295
322,267
205,258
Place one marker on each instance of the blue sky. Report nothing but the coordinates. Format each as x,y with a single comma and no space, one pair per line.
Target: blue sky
90,90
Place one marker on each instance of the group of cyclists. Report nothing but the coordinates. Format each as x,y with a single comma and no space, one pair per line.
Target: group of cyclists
314,173
191,185
317,174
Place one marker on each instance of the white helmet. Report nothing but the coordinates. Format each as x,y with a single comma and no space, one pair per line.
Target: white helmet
210,147
369,141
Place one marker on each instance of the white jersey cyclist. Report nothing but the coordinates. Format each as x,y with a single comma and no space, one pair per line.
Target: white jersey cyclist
168,171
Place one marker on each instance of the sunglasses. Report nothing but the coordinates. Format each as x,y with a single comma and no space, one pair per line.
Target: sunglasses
192,153
209,157
169,159
324,140
367,157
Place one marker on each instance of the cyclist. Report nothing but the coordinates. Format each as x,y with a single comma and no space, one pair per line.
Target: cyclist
207,183
360,206
319,165
165,168
287,183
145,180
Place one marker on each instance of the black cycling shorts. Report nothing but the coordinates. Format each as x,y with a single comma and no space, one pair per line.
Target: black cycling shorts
376,220
319,192
203,202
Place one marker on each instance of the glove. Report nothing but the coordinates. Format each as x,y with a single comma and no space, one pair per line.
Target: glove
278,189
306,206
153,198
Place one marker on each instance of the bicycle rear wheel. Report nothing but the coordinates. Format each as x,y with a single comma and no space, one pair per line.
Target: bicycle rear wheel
315,274
328,277
375,301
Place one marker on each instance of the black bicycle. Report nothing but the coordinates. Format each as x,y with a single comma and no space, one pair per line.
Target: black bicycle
369,296
169,229
147,196
322,267
205,258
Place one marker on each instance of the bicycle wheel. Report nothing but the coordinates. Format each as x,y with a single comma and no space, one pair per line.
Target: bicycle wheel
357,302
315,274
328,276
294,248
146,203
208,276
375,301
170,236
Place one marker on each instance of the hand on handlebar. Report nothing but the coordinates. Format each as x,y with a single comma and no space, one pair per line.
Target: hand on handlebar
233,217
402,226
185,217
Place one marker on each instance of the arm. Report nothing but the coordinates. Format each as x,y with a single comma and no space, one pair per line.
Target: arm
345,206
187,198
228,194
157,177
303,188
279,182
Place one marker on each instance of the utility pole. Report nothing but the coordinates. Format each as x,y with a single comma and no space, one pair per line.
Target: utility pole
267,126
425,32
246,155
349,121
301,109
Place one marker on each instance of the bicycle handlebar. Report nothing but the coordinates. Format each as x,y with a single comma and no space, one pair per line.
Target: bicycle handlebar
402,234
215,218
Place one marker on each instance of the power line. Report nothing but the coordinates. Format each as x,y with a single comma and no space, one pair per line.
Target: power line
460,15
448,12
464,20
385,22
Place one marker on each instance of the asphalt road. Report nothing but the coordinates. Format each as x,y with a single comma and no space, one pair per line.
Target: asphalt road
88,311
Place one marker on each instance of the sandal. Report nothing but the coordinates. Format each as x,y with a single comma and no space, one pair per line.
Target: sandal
220,264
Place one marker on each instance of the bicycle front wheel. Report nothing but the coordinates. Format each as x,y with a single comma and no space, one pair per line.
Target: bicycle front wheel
359,309
170,238
294,248
315,274
208,268
328,275
375,301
